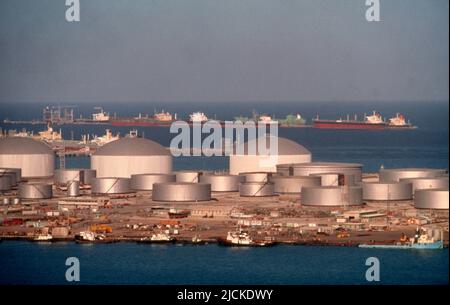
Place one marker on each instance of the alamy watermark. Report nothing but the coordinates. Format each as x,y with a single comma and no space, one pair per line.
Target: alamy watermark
373,272
73,272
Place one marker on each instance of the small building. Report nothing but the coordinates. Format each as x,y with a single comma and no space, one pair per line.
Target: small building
60,232
211,211
353,226
372,217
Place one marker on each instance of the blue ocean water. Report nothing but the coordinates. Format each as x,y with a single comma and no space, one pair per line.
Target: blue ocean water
129,263
427,146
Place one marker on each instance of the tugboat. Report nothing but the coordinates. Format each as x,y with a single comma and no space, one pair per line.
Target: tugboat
421,240
399,122
158,238
198,117
242,238
88,237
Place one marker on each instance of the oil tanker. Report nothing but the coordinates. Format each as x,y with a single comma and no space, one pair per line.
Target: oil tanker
372,122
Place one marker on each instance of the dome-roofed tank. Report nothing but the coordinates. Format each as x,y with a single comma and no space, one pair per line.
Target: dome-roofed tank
249,161
131,156
35,158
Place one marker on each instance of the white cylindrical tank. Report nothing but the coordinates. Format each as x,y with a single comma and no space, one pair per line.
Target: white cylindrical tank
431,199
107,185
35,191
255,177
222,182
5,183
130,156
249,161
293,184
395,174
63,176
256,189
144,182
387,190
188,176
181,191
426,183
331,195
347,169
35,158
73,188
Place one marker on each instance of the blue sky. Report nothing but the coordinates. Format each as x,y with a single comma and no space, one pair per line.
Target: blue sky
233,50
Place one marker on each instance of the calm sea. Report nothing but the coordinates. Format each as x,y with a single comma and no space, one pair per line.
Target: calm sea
129,263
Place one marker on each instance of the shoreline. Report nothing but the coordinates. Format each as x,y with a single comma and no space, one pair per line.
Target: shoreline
348,243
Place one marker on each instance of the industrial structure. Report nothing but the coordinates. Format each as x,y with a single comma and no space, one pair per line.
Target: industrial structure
35,191
395,174
129,156
144,182
432,199
106,185
35,159
387,191
256,189
249,161
332,196
293,184
181,191
222,182
346,169
426,183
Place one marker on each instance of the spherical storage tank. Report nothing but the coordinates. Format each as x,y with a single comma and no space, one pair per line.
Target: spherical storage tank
35,191
35,158
130,156
293,184
181,191
247,161
347,169
107,185
222,182
426,183
431,199
144,182
395,174
331,195
387,191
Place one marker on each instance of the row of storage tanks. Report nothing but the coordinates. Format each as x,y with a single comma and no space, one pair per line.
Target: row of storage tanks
132,164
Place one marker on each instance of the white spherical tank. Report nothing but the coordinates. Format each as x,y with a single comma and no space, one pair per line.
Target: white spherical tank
248,160
130,156
35,158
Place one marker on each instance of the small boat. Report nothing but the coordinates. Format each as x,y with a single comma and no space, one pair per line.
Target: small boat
89,237
421,240
242,238
157,238
43,237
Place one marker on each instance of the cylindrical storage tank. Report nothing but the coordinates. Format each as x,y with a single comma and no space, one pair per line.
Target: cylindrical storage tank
222,182
130,156
16,201
431,199
63,176
293,184
256,189
88,175
259,177
426,183
144,182
14,173
181,191
285,169
73,188
5,183
395,174
248,158
333,179
188,176
331,195
6,200
347,169
387,191
110,185
35,158
35,191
